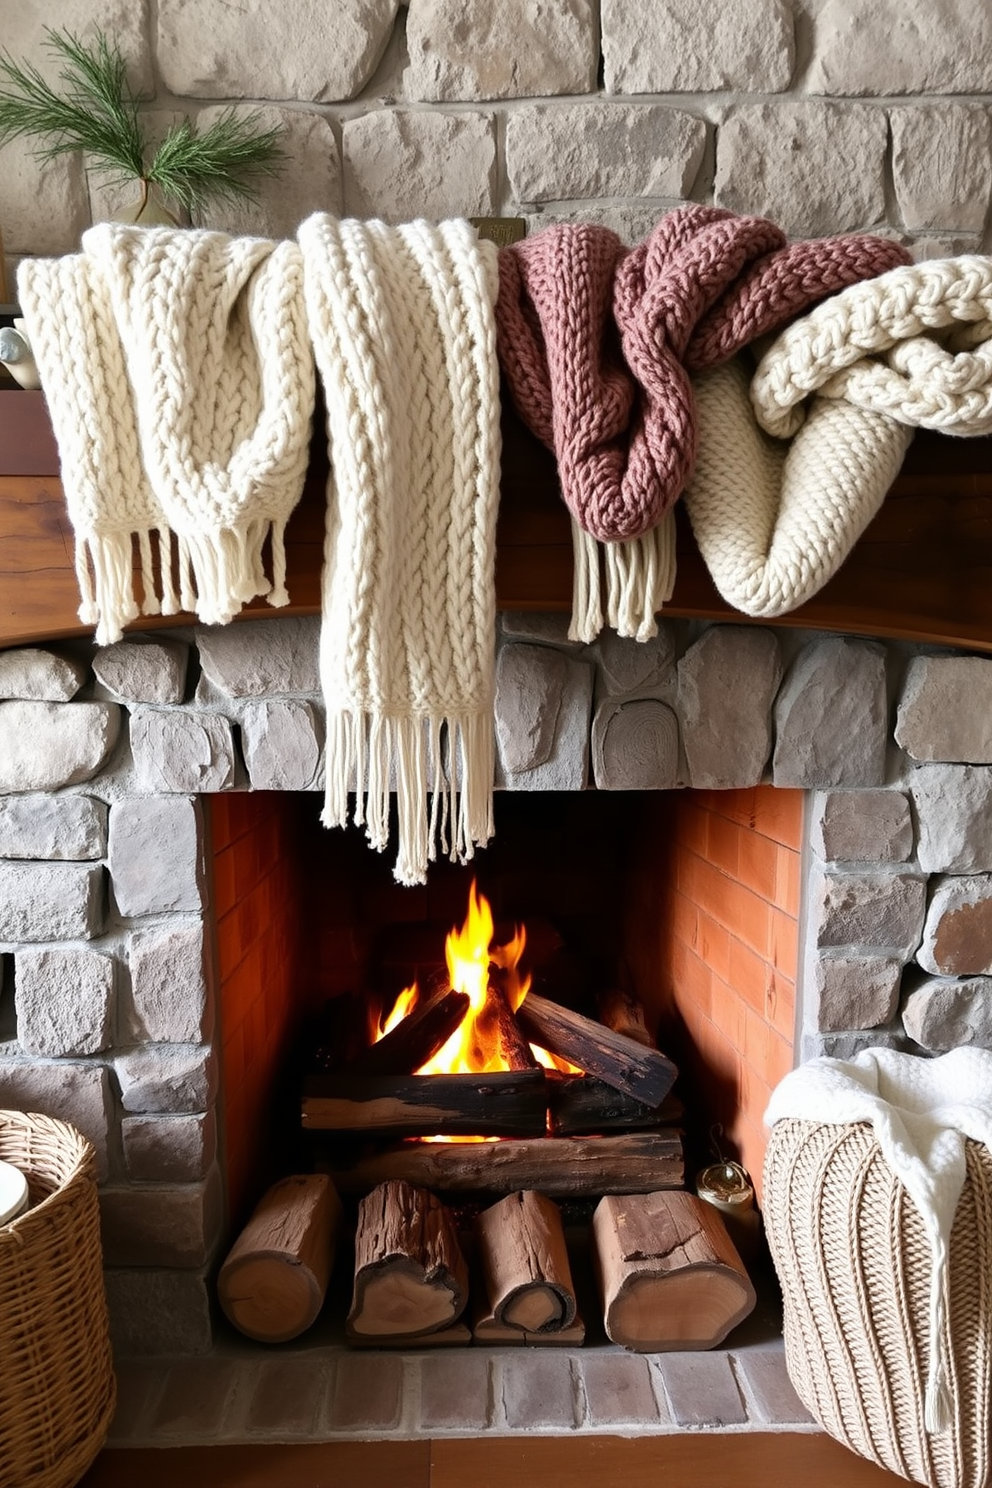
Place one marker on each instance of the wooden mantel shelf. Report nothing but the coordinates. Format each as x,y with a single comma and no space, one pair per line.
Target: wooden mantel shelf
922,570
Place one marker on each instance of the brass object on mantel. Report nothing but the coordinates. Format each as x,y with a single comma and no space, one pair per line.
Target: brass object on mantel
921,571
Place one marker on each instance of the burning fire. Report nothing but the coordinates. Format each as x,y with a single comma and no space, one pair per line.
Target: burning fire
470,954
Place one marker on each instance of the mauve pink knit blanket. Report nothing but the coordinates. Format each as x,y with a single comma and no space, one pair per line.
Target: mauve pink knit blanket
596,341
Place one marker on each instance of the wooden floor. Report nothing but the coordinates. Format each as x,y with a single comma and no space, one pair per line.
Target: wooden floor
749,1460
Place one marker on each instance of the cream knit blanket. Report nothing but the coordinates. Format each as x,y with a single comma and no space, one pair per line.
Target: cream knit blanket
403,327
180,384
776,505
920,1110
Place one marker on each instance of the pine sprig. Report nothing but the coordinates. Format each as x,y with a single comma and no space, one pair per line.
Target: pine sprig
98,113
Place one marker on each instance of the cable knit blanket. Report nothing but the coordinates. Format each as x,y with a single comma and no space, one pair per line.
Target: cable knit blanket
597,342
180,382
841,390
404,332
921,1110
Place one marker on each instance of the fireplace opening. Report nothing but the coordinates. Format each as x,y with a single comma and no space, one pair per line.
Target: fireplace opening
689,899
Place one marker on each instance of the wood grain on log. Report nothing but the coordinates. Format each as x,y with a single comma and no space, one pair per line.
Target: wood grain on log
410,1274
273,1282
623,1011
511,1103
525,1268
580,1104
668,1273
621,1061
562,1167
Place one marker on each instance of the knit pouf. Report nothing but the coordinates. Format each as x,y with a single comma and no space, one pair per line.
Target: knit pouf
854,1264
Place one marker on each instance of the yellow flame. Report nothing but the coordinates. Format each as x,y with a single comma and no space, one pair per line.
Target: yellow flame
403,1005
554,1061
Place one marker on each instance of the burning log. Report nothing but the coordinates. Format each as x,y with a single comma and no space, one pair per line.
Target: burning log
415,1038
498,1029
669,1276
581,1103
525,1266
620,1061
273,1282
410,1274
512,1103
562,1167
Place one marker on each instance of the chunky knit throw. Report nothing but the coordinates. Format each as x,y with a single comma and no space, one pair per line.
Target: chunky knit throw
596,344
180,384
842,389
402,324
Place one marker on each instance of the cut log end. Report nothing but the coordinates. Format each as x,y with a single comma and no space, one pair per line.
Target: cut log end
398,1299
410,1274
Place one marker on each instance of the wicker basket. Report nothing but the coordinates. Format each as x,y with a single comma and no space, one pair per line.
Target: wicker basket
57,1390
854,1265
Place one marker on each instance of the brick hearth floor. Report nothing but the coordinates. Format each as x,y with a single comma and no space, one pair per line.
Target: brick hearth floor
317,1389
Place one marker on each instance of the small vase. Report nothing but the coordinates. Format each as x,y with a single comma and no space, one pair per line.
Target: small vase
148,211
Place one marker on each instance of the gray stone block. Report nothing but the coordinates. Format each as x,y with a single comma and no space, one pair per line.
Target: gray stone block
454,1391
167,1080
77,1093
206,49
45,746
941,1015
567,767
64,1001
156,854
182,751
900,46
855,991
536,1397
51,901
45,207
831,717
530,682
852,1042
35,675
144,671
953,806
957,935
162,1225
169,1149
880,911
366,1393
262,658
506,49
543,627
814,168
67,828
168,1000
635,745
868,826
625,666
283,745
742,45
727,685
308,181
619,1390
952,196
159,1312
945,712
407,164
569,152
702,1390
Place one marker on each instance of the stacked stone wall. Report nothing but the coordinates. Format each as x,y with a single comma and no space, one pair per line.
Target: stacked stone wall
107,1012
825,115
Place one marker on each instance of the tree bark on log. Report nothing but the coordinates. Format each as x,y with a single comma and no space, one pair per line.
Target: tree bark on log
410,1274
273,1283
624,1013
416,1038
622,1062
525,1266
668,1273
510,1104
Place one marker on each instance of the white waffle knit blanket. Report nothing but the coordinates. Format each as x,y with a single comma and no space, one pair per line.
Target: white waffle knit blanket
788,479
921,1111
403,328
180,384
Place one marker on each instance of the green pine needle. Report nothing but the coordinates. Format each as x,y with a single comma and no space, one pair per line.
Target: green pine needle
97,112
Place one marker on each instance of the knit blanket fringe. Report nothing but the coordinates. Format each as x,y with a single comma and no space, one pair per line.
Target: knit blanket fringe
449,761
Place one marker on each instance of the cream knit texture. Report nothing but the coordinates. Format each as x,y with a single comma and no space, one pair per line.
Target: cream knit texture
841,390
180,383
403,327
